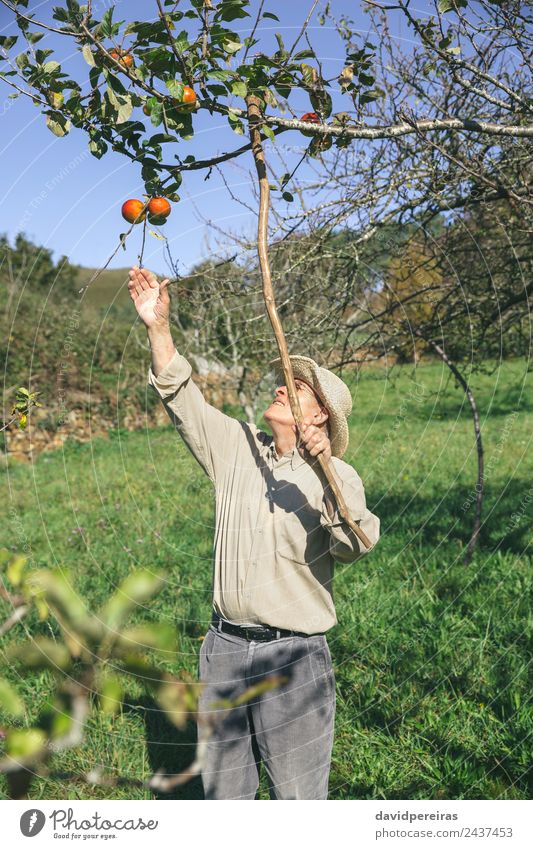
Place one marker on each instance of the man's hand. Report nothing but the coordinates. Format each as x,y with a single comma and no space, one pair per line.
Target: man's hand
315,440
151,298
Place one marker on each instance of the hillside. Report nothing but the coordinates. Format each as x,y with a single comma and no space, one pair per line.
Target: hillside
109,288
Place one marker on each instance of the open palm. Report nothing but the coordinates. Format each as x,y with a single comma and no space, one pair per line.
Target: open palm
150,297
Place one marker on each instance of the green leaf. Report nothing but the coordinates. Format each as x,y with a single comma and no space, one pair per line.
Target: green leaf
220,74
149,170
5,556
268,131
122,105
111,693
448,5
175,88
321,103
22,60
283,83
58,592
10,701
114,82
160,636
57,123
229,10
94,76
51,67
181,42
269,97
23,743
178,178
34,37
145,30
372,94
264,686
106,24
15,569
138,588
56,718
7,41
217,90
231,46
156,114
270,15
178,700
161,138
98,147
288,197
138,666
125,110
309,74
41,653
87,54
235,124
239,88
60,14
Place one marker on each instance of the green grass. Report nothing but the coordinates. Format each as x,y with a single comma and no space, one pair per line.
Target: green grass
431,656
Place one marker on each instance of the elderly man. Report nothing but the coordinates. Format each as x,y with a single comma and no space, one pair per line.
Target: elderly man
277,536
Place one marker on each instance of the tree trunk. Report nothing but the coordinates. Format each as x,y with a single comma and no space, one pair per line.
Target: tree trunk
479,446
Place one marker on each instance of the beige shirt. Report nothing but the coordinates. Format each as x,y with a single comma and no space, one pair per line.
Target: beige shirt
275,544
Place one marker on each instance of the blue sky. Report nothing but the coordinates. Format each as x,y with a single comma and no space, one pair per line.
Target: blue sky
63,198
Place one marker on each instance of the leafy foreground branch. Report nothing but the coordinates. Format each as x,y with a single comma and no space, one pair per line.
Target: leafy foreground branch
24,402
91,662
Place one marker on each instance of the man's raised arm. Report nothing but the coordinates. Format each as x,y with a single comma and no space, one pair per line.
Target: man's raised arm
208,433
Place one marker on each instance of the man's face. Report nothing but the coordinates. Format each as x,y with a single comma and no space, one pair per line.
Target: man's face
280,411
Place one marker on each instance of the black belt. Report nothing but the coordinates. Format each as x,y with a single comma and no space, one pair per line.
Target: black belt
261,633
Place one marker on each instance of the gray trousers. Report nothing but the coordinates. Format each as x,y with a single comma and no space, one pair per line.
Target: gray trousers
289,729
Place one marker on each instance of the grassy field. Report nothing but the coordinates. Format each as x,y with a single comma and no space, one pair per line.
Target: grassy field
431,657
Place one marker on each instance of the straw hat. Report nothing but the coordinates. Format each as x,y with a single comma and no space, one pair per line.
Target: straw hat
333,393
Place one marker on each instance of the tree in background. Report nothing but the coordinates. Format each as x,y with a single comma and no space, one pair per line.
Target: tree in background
24,262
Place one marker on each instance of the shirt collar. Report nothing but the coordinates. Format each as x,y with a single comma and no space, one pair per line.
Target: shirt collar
293,456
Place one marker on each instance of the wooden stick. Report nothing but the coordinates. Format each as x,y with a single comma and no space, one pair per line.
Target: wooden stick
255,119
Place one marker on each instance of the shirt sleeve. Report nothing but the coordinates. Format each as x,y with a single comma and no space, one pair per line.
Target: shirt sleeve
345,546
207,432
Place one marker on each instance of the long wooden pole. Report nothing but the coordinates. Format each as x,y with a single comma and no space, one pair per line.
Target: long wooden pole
326,467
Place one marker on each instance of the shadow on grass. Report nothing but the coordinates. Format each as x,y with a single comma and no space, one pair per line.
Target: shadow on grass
505,525
169,749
